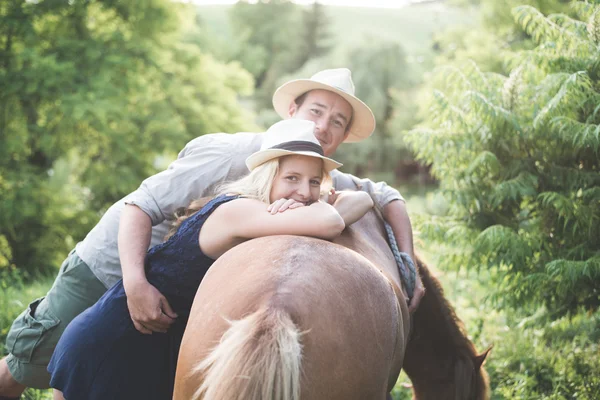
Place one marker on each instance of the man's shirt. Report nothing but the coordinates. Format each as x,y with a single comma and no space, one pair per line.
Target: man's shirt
204,163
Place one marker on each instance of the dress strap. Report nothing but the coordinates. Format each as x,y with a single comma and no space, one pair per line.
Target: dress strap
215,202
193,221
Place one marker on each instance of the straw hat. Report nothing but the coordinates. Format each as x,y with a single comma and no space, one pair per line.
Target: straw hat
335,80
291,136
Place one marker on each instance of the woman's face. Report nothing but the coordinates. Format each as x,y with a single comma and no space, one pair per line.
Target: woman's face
299,178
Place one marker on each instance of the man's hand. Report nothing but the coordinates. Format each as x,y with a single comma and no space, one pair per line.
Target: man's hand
418,293
283,204
149,309
331,196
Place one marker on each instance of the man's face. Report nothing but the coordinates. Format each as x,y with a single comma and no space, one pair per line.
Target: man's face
330,112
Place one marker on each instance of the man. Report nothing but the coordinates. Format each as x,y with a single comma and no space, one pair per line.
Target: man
116,247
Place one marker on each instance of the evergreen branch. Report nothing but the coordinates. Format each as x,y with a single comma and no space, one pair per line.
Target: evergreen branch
569,274
525,184
489,111
452,77
545,29
574,87
445,113
472,70
583,9
565,22
559,202
581,135
594,115
536,24
593,27
485,161
591,195
503,245
570,178
511,89
550,59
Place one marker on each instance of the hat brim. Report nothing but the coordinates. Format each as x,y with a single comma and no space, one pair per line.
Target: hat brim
263,156
363,120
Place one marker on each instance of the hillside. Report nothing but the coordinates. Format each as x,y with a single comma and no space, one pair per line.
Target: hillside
413,25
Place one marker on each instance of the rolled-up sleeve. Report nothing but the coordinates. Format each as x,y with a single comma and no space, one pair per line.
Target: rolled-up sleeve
205,162
381,193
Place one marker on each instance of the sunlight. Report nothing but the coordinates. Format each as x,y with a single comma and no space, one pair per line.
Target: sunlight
344,3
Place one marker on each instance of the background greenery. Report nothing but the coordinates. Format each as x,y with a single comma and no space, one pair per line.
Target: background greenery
487,117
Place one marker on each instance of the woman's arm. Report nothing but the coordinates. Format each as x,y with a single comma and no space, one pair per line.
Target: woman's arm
351,205
253,220
243,219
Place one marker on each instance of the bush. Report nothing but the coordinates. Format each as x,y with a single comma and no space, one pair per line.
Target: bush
518,164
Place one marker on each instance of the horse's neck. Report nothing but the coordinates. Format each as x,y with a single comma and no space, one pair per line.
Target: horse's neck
441,361
367,237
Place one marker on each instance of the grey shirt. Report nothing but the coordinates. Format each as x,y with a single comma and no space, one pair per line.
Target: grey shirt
204,163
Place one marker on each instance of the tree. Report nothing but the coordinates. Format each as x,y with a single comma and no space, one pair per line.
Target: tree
276,38
379,71
315,36
496,33
92,93
268,35
517,159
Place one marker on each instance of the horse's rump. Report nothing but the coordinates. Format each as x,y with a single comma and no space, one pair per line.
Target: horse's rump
342,306
352,327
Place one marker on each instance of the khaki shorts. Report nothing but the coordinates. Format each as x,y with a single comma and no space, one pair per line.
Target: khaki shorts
35,333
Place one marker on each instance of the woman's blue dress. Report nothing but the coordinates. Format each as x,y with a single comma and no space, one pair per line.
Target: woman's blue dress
102,356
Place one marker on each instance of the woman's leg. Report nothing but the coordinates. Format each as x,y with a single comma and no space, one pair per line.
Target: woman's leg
58,395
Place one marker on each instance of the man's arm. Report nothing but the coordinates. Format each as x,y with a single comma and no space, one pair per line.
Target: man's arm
205,162
393,208
396,215
351,205
149,309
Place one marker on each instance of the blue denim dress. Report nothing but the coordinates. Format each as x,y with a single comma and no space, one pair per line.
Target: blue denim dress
102,356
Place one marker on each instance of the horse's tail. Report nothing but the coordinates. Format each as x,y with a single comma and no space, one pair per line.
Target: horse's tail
258,358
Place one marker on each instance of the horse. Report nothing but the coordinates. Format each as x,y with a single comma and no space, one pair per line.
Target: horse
288,317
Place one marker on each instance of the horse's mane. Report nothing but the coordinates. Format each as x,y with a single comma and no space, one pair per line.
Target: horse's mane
436,324
452,325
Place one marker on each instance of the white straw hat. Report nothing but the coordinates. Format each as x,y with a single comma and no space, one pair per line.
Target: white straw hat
335,80
292,136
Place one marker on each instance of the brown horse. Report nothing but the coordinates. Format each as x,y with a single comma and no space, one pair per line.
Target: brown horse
286,317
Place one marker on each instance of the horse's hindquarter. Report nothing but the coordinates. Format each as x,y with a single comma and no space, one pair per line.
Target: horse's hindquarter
354,331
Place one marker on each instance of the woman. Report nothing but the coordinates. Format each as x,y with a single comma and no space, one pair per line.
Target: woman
102,356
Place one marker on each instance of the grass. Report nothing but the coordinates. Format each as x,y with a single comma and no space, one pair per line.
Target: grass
14,298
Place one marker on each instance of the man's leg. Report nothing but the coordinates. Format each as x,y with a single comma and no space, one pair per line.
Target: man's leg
35,333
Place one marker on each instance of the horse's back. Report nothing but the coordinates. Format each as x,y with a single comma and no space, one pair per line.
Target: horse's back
353,328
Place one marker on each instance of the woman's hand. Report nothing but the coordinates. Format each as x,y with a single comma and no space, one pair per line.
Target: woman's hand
284,204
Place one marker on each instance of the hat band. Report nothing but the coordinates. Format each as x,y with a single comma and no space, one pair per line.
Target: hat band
300,145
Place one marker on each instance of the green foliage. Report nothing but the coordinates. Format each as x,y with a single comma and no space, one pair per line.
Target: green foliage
375,73
275,38
518,163
549,361
88,88
15,294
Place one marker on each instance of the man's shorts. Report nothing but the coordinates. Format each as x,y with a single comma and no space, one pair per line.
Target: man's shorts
35,333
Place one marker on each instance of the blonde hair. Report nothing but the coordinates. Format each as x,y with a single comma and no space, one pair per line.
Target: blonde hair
256,185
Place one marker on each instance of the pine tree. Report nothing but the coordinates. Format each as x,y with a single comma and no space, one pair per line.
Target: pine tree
314,35
518,161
